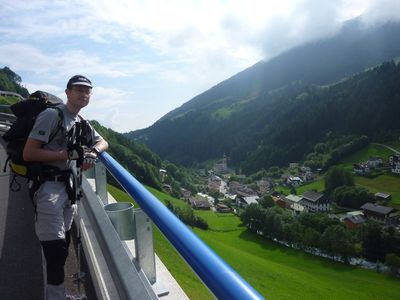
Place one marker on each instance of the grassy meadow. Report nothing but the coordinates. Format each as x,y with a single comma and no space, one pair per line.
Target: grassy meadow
277,272
385,182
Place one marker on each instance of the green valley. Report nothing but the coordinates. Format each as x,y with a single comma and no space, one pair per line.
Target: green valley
276,271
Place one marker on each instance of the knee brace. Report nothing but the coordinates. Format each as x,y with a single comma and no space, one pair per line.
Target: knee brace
56,253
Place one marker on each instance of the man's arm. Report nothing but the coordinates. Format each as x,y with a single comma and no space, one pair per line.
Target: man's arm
100,146
33,151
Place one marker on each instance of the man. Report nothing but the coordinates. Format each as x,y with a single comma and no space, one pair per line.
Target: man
54,198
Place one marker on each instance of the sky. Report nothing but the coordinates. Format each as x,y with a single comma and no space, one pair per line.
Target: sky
148,57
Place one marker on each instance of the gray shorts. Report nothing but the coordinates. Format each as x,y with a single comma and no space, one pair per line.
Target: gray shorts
54,212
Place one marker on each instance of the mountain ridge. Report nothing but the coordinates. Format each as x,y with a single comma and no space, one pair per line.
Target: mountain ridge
202,126
259,75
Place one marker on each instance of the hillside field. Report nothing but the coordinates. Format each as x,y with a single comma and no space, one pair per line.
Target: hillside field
277,272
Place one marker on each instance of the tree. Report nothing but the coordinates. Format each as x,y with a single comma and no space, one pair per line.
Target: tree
336,177
393,261
372,241
293,190
252,216
311,237
266,202
317,221
320,148
293,232
12,76
391,240
351,196
337,240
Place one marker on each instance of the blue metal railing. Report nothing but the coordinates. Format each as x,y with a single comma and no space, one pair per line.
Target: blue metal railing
219,277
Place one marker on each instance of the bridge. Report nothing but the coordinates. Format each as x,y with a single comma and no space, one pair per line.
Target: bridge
112,244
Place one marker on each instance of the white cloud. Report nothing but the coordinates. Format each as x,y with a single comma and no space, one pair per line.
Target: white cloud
162,45
107,105
52,89
61,65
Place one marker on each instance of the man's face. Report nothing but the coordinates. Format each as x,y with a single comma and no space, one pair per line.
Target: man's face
79,95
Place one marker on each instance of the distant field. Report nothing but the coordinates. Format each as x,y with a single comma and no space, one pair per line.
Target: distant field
7,100
318,185
364,154
386,182
389,184
275,271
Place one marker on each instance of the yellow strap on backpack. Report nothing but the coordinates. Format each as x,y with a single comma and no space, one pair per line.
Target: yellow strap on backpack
19,169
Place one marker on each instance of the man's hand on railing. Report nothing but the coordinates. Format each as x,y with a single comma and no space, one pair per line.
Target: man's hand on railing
76,153
89,160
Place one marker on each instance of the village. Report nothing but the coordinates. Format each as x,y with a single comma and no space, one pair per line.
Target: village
223,195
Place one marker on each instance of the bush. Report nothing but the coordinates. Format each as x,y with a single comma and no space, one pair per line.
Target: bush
352,196
393,261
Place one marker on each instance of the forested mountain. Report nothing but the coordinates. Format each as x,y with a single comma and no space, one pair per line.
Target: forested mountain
276,111
9,81
144,164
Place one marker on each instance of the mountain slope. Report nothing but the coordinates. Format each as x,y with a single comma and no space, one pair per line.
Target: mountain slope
350,51
240,115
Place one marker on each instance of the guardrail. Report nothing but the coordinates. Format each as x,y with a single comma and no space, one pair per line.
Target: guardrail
7,93
219,277
6,119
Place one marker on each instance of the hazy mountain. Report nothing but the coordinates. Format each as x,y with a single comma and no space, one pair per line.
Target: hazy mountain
240,115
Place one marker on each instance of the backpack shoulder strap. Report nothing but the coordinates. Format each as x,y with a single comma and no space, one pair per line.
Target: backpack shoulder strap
60,122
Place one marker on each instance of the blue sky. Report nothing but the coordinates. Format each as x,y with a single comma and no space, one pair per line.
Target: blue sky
146,58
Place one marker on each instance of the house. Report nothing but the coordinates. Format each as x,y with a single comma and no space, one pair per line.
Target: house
221,167
208,198
186,193
307,176
361,169
394,162
163,173
199,203
244,201
353,219
214,185
296,208
292,199
234,186
353,222
279,200
264,185
382,214
294,181
374,162
293,203
315,202
246,191
167,188
222,208
382,196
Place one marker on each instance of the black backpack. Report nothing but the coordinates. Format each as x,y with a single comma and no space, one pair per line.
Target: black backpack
26,112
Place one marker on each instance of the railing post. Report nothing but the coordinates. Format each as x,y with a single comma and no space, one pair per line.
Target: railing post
100,173
144,247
